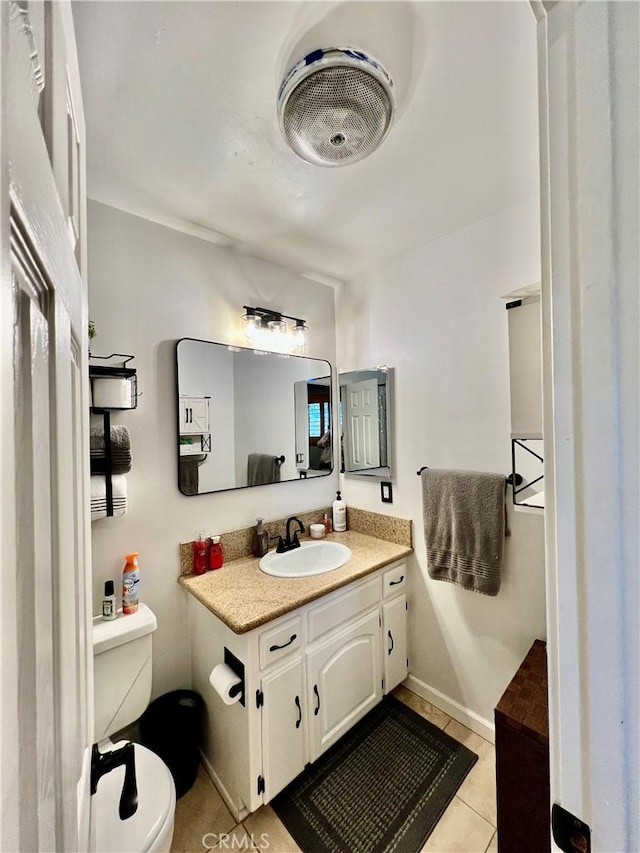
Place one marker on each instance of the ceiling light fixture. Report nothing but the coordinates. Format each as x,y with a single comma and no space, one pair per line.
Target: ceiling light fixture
335,106
265,329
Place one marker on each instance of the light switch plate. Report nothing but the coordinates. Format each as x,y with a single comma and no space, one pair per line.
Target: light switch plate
386,493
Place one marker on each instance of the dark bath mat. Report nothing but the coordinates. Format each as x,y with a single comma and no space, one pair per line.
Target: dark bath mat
381,789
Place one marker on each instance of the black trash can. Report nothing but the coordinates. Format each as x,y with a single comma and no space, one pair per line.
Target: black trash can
171,727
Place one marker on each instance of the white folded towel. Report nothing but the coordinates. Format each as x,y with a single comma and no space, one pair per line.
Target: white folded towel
99,496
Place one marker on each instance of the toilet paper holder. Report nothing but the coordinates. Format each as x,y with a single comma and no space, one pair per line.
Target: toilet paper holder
238,667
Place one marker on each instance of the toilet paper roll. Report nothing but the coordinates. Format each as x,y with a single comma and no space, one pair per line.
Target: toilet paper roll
226,683
112,393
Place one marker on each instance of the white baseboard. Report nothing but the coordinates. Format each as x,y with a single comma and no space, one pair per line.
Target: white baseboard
239,814
468,718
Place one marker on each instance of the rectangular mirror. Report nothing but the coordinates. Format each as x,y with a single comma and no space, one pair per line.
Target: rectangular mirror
527,460
365,418
249,418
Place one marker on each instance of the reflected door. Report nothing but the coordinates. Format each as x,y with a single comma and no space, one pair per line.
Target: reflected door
361,423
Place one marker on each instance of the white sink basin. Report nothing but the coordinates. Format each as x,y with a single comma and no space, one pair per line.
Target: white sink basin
311,558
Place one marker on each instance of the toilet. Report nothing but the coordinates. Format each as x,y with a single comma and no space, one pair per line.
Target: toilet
122,689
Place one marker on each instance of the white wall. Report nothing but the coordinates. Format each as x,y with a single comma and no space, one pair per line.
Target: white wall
435,315
149,286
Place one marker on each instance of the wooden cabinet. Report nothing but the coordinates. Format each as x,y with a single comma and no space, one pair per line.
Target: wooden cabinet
344,680
522,758
309,676
194,415
284,725
394,626
394,641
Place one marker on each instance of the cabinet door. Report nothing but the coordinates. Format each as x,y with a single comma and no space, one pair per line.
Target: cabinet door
394,642
200,415
194,415
344,681
185,415
283,727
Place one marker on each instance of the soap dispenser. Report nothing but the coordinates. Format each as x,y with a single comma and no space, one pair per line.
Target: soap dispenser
260,539
339,514
200,555
216,553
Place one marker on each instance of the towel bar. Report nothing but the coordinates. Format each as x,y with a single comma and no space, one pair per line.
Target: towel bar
510,478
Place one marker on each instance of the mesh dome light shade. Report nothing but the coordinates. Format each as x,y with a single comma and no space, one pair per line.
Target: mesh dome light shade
338,114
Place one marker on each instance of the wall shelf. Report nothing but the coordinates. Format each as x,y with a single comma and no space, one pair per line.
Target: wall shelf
116,369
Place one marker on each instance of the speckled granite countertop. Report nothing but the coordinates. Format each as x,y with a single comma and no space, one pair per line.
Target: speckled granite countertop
244,598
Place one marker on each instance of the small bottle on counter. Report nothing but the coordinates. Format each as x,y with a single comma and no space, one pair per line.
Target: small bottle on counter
200,555
216,553
109,609
260,539
328,526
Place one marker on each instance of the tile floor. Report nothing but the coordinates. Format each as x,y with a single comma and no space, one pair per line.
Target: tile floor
203,822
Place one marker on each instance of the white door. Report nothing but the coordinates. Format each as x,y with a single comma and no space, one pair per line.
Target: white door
284,729
344,681
361,425
589,104
301,404
394,642
45,711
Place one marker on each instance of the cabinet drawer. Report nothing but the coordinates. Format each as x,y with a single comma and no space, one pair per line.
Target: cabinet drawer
342,606
394,580
276,643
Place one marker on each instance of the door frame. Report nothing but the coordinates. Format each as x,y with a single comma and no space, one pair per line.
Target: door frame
588,110
34,128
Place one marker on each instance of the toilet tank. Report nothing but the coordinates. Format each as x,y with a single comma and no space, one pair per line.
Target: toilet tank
121,669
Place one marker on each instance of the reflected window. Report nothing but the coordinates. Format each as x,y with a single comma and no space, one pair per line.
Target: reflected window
319,419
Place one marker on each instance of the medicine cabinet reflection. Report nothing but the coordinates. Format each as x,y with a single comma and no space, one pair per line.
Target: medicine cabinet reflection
247,417
366,422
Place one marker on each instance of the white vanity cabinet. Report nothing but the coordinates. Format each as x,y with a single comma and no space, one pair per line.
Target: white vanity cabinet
344,681
309,676
394,626
284,726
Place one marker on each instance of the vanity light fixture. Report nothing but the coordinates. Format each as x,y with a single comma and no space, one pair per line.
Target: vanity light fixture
265,329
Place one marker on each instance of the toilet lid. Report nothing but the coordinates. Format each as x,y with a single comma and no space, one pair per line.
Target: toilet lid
156,803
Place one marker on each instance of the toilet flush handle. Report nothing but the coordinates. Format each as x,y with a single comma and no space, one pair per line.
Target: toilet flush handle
105,762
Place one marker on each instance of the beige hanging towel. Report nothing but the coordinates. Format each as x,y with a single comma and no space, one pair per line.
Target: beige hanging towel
464,527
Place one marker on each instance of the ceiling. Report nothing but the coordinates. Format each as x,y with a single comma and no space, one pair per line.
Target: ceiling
180,105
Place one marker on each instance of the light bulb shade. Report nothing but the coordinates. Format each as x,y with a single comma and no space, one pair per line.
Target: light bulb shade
300,337
250,328
266,330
